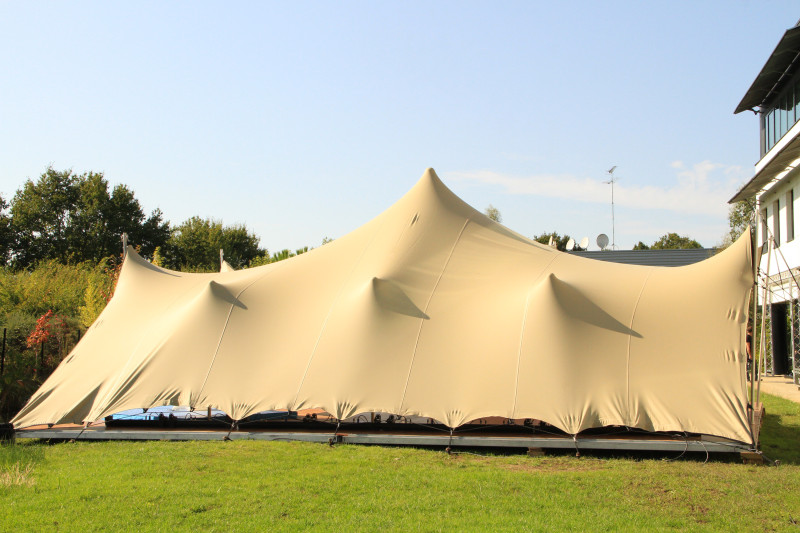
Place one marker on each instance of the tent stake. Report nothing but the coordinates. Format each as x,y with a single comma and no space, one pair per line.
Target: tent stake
335,439
228,436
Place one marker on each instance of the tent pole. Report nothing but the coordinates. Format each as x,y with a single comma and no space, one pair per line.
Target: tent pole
752,353
756,264
791,322
763,340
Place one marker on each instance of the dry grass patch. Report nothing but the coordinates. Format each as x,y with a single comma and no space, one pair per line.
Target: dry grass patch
17,476
553,466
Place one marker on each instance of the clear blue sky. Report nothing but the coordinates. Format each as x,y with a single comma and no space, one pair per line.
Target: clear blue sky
306,119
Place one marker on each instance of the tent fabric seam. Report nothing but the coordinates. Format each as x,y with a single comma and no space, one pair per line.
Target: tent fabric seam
328,316
630,337
216,352
224,329
427,304
519,353
522,333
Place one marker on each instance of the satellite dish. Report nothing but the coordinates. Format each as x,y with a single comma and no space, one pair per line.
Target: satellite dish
570,244
585,243
550,242
602,241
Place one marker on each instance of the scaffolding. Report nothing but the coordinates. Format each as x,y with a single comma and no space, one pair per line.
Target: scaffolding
777,290
794,318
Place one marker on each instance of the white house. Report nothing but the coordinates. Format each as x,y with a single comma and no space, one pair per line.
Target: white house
775,186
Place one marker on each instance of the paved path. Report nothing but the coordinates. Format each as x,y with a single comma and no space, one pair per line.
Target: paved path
781,386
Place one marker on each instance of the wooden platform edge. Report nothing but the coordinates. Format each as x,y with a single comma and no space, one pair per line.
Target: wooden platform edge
705,444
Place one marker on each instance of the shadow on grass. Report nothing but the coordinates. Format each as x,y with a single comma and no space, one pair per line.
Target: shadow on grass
645,455
780,440
780,430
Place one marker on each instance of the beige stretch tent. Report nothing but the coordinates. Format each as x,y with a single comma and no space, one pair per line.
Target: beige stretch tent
429,309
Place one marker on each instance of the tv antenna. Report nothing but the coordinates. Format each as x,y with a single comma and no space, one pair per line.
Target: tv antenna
612,179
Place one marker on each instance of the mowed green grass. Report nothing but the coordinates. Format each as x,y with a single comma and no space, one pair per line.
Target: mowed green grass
286,486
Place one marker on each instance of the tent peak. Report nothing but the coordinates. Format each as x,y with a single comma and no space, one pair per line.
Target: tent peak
429,177
432,183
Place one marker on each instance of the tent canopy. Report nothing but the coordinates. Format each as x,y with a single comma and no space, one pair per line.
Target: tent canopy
429,309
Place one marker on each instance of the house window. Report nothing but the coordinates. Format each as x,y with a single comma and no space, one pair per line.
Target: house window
770,129
790,215
764,235
776,222
797,100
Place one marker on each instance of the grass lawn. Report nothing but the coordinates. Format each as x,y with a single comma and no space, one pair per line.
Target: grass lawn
285,486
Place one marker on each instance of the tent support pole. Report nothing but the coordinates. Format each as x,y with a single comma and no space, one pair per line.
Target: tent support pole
754,318
228,436
752,347
763,336
791,324
333,440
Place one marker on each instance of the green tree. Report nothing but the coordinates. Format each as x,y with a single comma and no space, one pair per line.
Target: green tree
493,213
157,259
72,218
99,290
40,218
103,217
94,303
286,254
673,241
559,240
6,235
51,294
195,245
641,246
741,216
261,260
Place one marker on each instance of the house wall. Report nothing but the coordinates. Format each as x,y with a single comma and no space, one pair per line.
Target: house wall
787,231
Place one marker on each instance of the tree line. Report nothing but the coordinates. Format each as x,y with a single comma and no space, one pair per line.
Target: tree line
71,218
669,241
